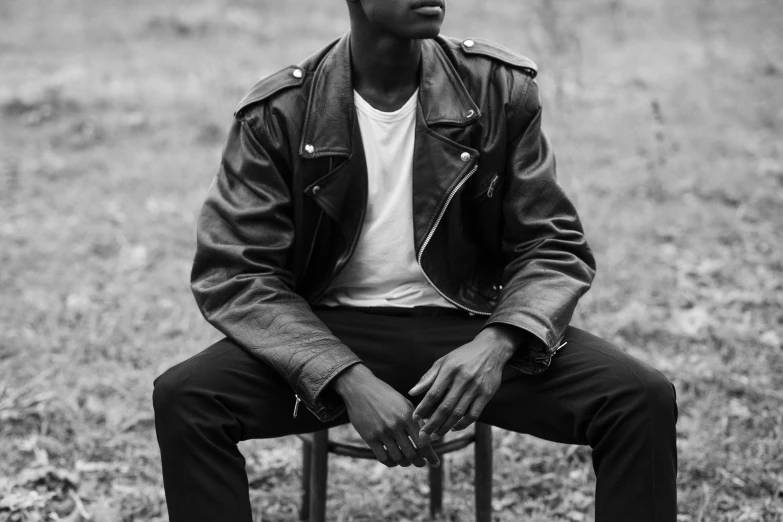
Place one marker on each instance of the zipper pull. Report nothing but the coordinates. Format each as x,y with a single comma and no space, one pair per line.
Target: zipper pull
491,189
296,405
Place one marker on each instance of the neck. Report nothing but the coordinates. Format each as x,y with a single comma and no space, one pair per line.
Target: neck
385,68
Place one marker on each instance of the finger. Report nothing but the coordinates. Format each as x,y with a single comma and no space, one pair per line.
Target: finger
479,403
426,380
380,454
433,397
458,413
408,449
442,412
398,459
424,448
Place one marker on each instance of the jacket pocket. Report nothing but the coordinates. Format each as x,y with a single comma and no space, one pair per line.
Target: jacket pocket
487,187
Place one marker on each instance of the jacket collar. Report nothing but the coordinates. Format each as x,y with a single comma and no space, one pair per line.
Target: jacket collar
329,120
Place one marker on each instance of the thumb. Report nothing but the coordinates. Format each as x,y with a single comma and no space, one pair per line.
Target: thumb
426,381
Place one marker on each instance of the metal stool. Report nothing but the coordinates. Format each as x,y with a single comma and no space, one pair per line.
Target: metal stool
315,457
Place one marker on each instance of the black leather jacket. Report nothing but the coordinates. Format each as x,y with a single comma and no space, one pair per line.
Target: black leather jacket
494,232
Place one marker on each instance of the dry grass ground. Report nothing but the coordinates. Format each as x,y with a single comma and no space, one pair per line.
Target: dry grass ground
668,120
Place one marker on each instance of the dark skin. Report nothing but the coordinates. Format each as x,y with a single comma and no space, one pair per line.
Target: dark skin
385,56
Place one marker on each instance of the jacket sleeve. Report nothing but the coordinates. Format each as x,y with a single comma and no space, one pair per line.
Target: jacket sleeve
241,277
549,265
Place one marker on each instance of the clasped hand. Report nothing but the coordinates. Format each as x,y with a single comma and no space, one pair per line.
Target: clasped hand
458,386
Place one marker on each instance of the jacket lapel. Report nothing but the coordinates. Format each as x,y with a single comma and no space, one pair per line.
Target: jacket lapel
438,167
442,95
330,111
439,163
342,192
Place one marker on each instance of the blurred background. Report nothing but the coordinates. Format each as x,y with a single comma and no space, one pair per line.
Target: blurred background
667,118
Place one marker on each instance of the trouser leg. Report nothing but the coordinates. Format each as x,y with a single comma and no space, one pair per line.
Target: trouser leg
203,407
625,410
592,394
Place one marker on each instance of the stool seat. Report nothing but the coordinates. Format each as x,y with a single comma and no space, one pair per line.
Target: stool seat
315,455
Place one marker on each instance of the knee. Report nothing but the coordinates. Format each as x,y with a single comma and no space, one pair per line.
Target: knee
656,396
165,391
170,400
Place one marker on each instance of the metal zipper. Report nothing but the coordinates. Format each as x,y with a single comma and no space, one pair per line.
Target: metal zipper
492,184
296,405
429,237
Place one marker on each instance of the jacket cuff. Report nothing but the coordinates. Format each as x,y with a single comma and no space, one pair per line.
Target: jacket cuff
536,356
316,395
532,359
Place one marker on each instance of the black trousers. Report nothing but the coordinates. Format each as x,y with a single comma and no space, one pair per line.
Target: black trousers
592,394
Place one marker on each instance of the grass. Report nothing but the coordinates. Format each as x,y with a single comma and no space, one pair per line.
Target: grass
667,120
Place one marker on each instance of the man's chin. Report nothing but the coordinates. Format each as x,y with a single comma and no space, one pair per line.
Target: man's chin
423,34
430,34
423,29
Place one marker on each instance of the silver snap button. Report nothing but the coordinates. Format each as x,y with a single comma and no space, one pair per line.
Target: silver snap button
298,73
465,156
469,43
309,149
470,113
496,287
316,190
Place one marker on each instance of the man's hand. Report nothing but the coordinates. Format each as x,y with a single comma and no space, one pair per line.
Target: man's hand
463,382
382,416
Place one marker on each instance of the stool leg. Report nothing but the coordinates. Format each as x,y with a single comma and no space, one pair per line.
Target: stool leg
304,505
318,476
483,448
436,489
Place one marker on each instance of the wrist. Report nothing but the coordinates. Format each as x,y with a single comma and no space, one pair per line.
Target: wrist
505,337
349,380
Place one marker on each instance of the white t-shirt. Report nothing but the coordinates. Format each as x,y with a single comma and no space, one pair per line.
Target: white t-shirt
383,270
